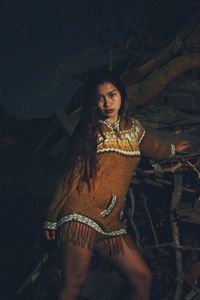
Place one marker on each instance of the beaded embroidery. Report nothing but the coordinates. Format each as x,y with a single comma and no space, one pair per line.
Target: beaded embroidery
126,143
111,126
173,150
84,220
108,210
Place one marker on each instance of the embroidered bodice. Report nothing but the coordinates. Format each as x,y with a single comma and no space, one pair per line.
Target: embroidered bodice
125,142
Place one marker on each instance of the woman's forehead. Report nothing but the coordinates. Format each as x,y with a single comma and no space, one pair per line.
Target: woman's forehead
105,88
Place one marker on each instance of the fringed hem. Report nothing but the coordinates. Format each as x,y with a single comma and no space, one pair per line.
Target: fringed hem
85,236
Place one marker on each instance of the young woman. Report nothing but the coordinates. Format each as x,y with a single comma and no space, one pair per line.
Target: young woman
86,212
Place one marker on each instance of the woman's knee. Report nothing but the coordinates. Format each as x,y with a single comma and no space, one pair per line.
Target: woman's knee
72,287
76,282
142,277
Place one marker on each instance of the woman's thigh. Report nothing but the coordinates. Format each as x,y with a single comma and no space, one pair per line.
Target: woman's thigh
75,262
130,263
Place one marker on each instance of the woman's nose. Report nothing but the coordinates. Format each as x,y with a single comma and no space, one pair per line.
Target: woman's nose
106,102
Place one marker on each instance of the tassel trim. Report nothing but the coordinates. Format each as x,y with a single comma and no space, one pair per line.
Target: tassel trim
84,220
85,236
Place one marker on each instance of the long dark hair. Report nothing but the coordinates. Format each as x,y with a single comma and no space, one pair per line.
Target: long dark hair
82,144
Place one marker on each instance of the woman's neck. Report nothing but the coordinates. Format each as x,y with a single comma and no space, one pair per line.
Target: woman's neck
111,120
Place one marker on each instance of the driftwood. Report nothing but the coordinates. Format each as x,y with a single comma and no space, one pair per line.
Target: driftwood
175,46
179,166
176,197
161,183
33,277
149,218
130,216
149,88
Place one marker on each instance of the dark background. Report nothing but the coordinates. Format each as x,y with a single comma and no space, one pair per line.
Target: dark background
41,42
38,36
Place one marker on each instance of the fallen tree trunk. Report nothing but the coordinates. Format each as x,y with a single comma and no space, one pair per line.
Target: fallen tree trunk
149,88
174,47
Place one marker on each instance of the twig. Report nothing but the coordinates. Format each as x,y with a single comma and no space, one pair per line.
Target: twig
42,143
111,60
179,124
193,167
172,245
191,156
159,182
32,278
176,197
149,218
131,219
190,295
172,169
194,287
179,166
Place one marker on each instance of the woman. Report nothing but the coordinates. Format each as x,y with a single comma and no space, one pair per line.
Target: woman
87,209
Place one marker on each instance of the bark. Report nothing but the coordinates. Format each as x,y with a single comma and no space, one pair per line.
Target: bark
174,47
140,93
176,199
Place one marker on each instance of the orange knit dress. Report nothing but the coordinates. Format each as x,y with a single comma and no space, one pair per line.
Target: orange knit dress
96,221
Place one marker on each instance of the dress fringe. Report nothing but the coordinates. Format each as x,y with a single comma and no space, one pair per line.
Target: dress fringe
83,235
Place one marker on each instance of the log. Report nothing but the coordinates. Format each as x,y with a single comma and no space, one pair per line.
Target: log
134,75
140,93
176,198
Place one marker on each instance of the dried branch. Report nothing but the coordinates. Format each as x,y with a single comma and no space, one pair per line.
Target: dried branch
152,85
160,170
149,218
181,164
194,287
32,278
193,167
135,75
176,197
130,214
172,245
160,182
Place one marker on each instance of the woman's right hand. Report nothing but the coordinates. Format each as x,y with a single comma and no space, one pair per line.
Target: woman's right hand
50,235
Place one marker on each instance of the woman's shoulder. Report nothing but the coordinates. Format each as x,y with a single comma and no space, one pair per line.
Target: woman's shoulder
134,129
131,123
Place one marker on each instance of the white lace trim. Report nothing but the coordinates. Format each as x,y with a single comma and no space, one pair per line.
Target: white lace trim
173,150
130,134
84,220
49,225
108,210
128,153
142,136
111,126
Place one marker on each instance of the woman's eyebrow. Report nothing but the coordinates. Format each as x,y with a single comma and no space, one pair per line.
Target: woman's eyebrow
99,95
111,91
114,90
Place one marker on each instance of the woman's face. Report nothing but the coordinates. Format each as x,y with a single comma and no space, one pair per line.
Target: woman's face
108,101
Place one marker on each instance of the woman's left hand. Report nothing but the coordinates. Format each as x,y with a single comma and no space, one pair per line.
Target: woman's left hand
182,145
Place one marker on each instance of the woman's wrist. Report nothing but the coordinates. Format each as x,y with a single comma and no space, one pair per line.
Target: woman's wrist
173,150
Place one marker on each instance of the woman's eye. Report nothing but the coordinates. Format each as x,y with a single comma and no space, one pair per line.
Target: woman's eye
112,95
99,98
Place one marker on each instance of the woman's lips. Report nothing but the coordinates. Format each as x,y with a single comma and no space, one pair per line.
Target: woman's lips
108,111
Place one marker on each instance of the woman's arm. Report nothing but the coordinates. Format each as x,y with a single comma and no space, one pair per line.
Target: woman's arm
156,148
182,145
50,234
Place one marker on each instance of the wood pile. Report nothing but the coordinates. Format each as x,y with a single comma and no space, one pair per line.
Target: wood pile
163,203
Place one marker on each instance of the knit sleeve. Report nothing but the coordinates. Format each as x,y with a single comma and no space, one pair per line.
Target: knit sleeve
66,187
156,148
152,146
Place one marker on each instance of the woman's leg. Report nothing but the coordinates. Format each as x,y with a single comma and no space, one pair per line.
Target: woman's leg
75,266
135,270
